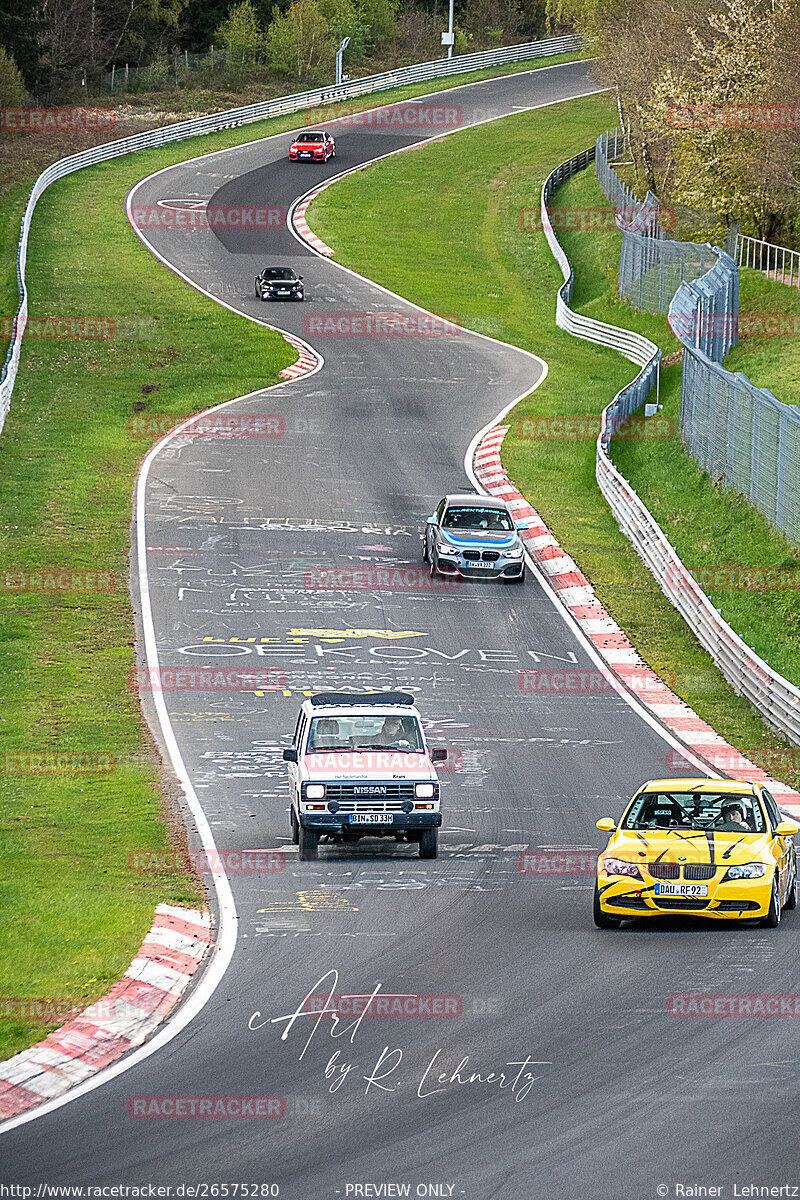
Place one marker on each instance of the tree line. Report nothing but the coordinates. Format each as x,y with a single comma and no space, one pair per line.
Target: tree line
51,49
708,92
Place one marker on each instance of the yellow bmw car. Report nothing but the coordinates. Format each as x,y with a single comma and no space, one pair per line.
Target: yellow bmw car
712,847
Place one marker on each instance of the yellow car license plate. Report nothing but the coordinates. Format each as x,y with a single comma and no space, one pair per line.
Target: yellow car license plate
681,889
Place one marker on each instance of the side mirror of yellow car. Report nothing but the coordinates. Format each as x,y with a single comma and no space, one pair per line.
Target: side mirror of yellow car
606,824
786,829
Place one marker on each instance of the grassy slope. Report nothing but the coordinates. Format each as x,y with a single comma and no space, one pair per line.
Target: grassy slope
387,222
74,913
770,362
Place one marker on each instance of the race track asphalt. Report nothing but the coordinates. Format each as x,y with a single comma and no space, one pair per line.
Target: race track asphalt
626,1098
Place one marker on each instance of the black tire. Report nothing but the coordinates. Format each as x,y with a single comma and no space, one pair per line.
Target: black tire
601,919
791,895
773,918
295,827
309,843
429,843
519,578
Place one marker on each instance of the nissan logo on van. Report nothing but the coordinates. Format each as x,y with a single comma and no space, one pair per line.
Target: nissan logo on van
370,791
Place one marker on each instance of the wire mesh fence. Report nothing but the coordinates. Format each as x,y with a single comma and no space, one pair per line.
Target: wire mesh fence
177,68
741,434
704,313
652,266
744,437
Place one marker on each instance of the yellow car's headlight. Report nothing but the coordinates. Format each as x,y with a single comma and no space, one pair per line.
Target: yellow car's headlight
745,871
618,866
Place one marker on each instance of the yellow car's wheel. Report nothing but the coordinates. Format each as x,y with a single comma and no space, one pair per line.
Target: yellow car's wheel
773,917
601,919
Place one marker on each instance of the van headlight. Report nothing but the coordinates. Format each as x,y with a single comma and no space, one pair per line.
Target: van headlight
423,791
315,791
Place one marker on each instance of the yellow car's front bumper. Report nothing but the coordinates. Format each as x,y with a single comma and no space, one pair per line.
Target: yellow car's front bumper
746,899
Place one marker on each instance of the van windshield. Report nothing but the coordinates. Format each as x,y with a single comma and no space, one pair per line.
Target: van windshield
379,731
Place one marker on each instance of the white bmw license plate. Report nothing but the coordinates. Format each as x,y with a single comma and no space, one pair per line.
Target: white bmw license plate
681,889
482,565
371,819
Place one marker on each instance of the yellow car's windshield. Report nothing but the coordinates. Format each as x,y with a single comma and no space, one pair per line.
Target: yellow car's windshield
720,812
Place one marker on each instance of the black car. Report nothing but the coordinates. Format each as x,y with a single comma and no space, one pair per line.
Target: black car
279,283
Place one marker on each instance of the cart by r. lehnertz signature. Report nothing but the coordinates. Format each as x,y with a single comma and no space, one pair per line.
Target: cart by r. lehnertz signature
392,1068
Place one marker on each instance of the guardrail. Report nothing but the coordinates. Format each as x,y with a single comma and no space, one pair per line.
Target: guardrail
777,262
233,118
771,694
633,346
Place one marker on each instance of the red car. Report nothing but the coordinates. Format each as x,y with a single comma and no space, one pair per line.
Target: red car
317,145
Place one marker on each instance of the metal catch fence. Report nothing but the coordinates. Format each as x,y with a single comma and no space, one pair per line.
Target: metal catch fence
652,266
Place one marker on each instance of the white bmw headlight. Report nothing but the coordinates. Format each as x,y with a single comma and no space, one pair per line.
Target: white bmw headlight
515,552
618,866
745,871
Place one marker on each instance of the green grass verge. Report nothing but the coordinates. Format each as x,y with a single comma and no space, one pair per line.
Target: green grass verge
74,914
770,362
386,222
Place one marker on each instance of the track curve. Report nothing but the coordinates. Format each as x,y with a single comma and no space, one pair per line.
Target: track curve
625,1098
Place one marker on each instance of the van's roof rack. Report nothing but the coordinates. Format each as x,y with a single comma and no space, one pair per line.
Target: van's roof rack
325,699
